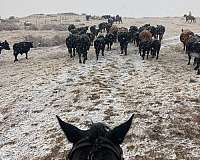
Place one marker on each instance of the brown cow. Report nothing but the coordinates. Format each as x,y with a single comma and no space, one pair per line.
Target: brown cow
185,35
123,29
114,31
145,35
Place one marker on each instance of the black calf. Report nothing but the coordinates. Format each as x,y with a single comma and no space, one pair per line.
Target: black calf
155,48
109,40
82,47
99,45
123,40
92,37
160,31
22,47
144,47
71,42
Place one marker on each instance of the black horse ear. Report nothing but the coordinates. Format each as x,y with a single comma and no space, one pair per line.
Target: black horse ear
118,134
72,133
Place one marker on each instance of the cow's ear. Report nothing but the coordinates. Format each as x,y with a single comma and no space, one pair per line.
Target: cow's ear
118,134
6,41
72,133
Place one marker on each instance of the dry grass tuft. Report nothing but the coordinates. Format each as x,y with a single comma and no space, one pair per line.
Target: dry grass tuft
8,26
39,41
56,27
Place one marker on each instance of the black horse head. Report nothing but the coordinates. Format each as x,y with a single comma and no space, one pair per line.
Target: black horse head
97,143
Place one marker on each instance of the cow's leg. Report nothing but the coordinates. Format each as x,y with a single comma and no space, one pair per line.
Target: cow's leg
74,52
161,37
26,55
70,52
122,48
111,45
143,55
125,49
152,53
147,54
85,57
197,64
15,54
79,55
97,54
198,72
157,54
103,52
195,61
140,51
189,59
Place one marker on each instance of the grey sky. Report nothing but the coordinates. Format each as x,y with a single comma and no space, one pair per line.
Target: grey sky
133,8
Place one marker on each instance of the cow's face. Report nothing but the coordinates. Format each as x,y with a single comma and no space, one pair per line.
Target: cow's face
6,45
31,44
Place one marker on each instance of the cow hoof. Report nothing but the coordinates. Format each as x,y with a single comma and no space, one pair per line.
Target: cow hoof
196,68
198,73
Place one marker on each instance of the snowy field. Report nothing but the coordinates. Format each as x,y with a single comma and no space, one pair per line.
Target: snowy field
163,94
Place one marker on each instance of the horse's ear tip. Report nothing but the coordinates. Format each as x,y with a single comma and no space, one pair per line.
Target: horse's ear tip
58,117
132,116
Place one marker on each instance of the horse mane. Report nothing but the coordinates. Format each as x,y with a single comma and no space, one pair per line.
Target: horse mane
97,130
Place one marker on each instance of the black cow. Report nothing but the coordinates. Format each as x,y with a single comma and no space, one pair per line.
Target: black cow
80,30
22,47
153,31
92,37
155,48
123,39
144,27
118,19
82,46
106,16
193,50
111,20
109,40
133,31
99,45
102,27
94,30
71,42
4,45
160,29
108,26
71,27
145,48
88,17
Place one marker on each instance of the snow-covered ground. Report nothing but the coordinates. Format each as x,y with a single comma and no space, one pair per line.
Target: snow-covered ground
163,94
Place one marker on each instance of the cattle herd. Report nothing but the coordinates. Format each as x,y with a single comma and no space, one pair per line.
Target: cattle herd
147,38
191,44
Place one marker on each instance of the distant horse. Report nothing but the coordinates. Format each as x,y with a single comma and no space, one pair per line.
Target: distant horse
189,18
27,24
118,19
88,17
97,143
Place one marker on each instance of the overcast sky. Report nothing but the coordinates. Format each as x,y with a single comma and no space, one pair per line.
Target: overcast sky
132,8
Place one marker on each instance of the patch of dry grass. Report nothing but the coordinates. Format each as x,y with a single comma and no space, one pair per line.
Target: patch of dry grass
8,26
39,41
56,27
